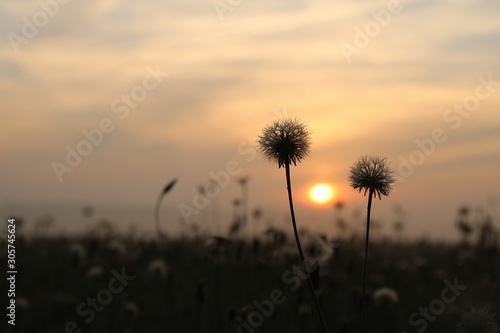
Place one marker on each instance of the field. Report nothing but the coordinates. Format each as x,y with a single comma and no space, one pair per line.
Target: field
110,283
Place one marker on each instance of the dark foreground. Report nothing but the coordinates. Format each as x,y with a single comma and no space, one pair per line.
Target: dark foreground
110,284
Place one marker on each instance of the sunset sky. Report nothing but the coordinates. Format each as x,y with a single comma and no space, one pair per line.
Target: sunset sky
181,88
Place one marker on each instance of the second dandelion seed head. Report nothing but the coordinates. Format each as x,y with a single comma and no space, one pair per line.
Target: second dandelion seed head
286,141
372,174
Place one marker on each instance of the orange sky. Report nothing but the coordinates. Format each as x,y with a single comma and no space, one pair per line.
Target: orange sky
90,66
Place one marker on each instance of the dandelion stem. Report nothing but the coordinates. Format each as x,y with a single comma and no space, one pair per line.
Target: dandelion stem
363,304
297,240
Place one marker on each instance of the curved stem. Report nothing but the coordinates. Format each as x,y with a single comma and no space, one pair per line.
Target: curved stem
157,220
157,210
297,240
363,304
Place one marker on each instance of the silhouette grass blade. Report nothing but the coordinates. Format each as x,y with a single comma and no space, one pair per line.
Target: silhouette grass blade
166,189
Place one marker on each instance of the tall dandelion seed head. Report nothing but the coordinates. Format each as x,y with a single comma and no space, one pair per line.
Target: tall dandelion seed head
286,141
372,174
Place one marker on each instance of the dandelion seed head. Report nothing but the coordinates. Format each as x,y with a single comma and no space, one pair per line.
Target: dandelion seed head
372,173
478,321
286,141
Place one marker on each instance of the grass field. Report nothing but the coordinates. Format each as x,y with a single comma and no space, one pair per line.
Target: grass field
111,283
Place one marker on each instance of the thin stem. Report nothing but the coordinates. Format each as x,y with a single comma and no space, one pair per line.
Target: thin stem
157,211
363,304
297,240
244,207
157,221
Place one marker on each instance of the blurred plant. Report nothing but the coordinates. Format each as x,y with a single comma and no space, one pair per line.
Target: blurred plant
486,232
401,215
166,189
371,174
103,229
478,321
236,225
208,218
385,294
200,299
340,221
285,142
256,220
132,309
257,213
218,249
44,224
205,220
463,224
275,238
87,211
484,223
243,181
78,253
158,268
399,227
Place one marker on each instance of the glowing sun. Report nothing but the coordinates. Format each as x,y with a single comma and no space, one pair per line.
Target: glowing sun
321,193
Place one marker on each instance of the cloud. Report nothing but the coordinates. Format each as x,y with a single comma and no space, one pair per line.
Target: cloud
476,44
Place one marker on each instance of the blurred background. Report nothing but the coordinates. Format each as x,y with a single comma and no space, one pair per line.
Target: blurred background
106,102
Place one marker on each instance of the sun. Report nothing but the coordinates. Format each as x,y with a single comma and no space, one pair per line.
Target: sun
321,193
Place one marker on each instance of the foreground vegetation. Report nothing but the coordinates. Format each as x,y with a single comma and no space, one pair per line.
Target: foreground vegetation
215,284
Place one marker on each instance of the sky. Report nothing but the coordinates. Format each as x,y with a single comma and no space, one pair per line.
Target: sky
105,102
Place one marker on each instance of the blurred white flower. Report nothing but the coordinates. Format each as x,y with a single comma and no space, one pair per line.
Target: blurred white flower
94,271
158,267
78,250
385,294
117,248
132,308
23,303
